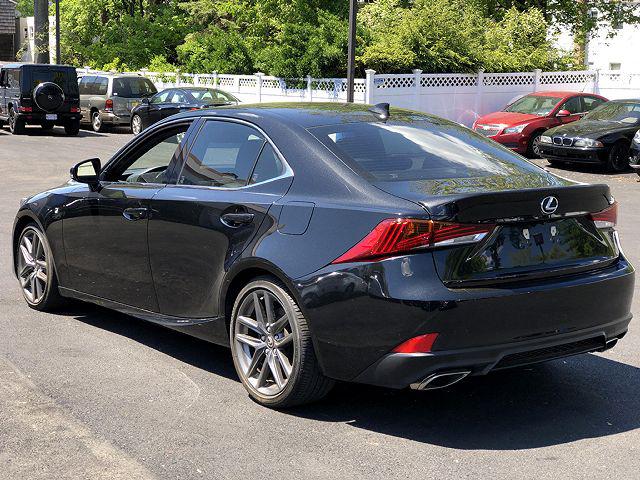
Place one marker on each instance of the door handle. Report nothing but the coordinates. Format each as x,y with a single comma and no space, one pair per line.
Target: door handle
134,214
235,220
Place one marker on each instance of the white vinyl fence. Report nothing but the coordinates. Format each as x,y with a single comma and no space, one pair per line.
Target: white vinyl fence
458,97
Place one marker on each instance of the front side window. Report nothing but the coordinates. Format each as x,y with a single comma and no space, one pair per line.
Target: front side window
150,162
572,105
179,97
223,155
534,105
161,97
591,102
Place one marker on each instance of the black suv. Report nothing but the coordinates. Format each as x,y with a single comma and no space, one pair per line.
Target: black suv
39,94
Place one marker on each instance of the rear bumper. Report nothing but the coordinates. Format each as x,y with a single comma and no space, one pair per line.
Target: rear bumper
38,118
398,370
358,313
109,118
572,154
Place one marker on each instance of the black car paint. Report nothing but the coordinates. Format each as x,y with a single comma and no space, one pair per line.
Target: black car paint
357,312
21,95
609,133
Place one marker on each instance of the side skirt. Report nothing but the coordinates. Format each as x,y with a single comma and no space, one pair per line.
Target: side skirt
213,329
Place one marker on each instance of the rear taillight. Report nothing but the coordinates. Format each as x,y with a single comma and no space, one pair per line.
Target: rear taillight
74,109
607,218
25,109
394,236
108,106
419,344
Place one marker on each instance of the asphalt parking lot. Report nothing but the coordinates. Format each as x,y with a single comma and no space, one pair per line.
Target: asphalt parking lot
93,394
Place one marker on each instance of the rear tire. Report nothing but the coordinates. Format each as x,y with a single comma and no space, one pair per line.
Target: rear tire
72,128
272,350
618,158
16,124
96,122
36,270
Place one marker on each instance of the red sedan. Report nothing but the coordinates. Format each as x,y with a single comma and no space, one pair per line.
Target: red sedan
521,123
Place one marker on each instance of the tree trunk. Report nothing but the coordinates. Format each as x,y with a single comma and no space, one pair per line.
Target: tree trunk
41,31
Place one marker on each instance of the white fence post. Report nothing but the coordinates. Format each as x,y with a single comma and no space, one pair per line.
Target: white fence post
215,79
537,74
310,88
259,76
479,90
596,81
177,78
417,80
369,86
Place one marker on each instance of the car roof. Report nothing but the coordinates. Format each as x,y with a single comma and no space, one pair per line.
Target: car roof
558,93
25,64
307,115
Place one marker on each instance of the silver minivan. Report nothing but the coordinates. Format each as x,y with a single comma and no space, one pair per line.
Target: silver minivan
107,99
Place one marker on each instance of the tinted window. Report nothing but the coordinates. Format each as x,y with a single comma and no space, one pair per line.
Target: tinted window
149,163
622,112
268,166
133,87
223,155
85,85
573,105
534,105
420,149
591,102
100,86
178,97
212,95
13,78
66,78
161,97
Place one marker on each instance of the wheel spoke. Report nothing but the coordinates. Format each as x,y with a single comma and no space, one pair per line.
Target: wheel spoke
268,305
249,340
264,372
28,244
42,276
279,324
250,323
284,363
258,309
26,255
274,366
284,341
258,357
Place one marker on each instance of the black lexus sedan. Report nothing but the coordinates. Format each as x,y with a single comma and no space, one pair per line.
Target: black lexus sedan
327,242
603,137
175,100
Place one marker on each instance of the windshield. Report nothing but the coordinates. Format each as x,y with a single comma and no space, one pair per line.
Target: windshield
212,95
534,105
420,150
133,87
623,112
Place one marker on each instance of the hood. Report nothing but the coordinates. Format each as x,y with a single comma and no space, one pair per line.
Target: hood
506,118
589,129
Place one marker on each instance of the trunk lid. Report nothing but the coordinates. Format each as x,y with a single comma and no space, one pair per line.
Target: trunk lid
529,240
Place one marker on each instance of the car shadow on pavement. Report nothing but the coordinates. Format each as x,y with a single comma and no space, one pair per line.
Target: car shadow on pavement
586,396
54,132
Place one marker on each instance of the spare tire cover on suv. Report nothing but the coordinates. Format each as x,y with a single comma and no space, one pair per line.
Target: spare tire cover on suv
48,96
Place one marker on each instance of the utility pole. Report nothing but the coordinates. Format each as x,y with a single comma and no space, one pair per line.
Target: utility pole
351,60
41,31
58,61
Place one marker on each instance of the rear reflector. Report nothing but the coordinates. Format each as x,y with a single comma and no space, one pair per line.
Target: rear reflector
25,109
419,344
401,235
74,109
607,218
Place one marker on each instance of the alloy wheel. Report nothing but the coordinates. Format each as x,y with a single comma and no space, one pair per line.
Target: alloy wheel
535,146
264,345
136,125
33,268
619,158
96,122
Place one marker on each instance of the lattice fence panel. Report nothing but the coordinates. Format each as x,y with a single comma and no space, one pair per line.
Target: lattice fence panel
566,77
508,79
226,81
443,81
395,81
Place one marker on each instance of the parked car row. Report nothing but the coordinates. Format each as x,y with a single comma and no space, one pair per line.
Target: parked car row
569,127
50,95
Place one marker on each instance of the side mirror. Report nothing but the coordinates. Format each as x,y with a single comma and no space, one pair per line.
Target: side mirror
86,171
145,101
563,113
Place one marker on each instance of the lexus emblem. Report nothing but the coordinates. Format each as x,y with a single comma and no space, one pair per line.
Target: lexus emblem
549,205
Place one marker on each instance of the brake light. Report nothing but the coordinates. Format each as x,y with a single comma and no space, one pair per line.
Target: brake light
108,106
400,235
607,218
25,109
419,344
74,109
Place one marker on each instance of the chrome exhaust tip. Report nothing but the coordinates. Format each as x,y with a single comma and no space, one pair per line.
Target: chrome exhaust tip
440,380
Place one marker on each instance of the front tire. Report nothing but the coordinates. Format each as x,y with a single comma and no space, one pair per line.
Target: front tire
16,124
618,158
136,125
35,270
272,349
533,148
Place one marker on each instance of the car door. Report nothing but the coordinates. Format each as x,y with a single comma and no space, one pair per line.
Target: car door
105,226
231,176
155,106
575,108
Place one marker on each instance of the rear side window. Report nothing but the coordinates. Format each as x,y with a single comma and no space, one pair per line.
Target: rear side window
133,87
13,78
268,166
85,85
419,150
591,102
223,155
100,86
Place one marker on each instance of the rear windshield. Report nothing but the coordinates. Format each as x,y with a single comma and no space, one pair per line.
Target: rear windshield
65,78
133,87
419,150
